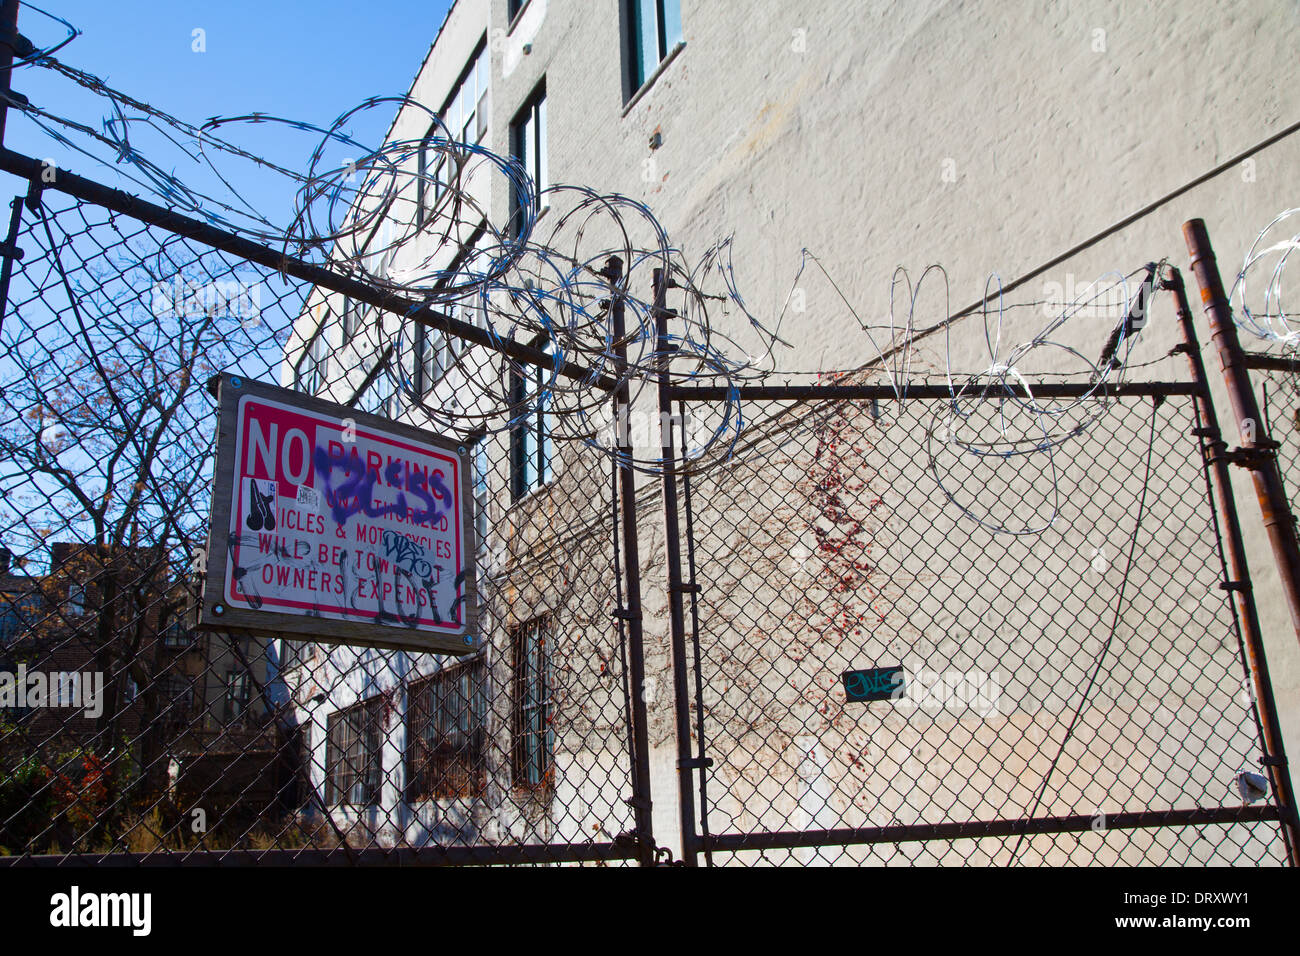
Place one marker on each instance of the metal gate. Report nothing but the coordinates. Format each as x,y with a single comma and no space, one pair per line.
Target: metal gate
897,644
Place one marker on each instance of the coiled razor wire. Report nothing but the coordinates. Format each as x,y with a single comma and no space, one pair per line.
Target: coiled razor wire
1268,255
385,215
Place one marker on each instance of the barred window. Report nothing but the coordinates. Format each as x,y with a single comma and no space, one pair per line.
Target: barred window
353,759
534,737
177,635
447,733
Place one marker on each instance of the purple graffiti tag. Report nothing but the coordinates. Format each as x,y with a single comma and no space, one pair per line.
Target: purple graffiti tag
354,494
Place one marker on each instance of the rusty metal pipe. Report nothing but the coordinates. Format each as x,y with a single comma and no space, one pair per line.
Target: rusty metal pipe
1258,457
1240,587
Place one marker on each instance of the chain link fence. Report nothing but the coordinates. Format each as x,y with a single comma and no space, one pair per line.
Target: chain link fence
125,728
907,644
1277,379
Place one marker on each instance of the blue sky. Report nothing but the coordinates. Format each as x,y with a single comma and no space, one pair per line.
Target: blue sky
304,61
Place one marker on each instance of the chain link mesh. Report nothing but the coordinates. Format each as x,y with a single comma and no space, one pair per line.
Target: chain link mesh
1091,669
200,741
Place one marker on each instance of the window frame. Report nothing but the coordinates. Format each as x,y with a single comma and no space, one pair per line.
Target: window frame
234,707
362,722
177,634
319,363
534,425
532,156
532,745
640,76
75,604
446,746
478,68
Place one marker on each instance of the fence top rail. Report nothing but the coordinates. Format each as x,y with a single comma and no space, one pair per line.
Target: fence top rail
89,191
1272,363
714,393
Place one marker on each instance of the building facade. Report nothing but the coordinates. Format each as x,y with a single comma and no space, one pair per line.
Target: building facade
987,139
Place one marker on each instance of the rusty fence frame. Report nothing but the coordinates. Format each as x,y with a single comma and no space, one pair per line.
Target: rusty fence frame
684,590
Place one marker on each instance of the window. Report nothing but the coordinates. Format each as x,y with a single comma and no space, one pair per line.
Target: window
17,616
534,739
294,654
428,354
481,493
309,373
381,398
447,734
177,689
236,696
177,635
530,436
654,30
176,701
528,145
350,319
352,754
76,599
465,115
431,359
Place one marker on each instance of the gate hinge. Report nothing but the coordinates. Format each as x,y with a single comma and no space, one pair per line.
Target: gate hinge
1242,586
1255,458
1272,761
695,763
626,615
626,840
641,803
685,588
1205,432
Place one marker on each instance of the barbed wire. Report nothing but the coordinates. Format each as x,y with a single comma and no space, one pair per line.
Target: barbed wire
390,216
1269,321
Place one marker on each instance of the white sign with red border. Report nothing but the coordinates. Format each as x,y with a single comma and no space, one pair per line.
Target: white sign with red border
336,524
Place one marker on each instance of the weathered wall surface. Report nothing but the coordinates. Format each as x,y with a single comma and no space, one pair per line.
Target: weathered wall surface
987,139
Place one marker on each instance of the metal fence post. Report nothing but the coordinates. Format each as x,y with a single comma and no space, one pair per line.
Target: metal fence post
1240,587
686,763
1256,451
641,794
8,45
